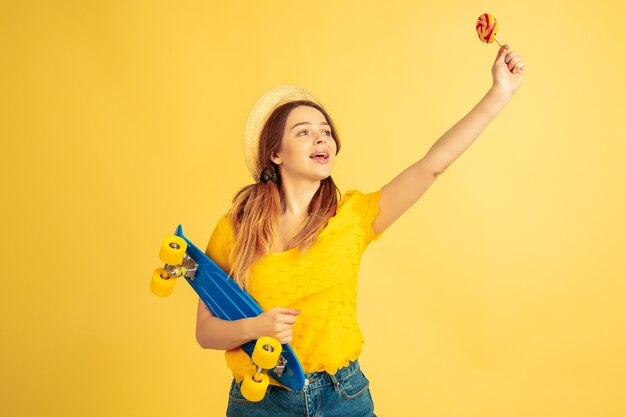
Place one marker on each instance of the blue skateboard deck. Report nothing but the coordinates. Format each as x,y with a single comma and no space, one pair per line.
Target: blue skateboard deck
228,301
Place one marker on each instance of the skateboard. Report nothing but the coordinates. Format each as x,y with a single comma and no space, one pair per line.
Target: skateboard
227,301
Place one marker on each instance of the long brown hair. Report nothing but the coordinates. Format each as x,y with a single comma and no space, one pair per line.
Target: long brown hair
256,210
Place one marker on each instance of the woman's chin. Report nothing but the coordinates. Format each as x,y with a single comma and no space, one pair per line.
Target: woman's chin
323,175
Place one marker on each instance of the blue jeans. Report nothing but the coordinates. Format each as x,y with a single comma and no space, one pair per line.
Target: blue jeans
344,394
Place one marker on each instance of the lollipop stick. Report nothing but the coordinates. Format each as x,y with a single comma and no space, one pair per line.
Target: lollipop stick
497,41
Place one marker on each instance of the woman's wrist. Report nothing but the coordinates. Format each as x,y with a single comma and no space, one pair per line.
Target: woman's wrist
500,93
248,326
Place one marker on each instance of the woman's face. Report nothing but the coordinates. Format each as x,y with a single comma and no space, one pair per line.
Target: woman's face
307,149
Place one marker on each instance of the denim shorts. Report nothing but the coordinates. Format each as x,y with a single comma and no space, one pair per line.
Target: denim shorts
344,394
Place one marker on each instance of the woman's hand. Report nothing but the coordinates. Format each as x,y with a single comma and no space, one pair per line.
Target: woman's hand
507,71
275,323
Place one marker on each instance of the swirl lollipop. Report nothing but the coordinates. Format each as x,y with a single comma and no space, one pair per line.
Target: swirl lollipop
486,28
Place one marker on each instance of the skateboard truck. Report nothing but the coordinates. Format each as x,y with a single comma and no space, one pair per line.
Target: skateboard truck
280,366
186,269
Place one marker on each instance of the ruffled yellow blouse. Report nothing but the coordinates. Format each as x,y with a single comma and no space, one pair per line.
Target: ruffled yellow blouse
322,283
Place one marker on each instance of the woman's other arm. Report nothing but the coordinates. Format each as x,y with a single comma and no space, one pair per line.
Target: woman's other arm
215,333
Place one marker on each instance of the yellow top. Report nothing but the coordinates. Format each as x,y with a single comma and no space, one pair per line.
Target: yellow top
321,283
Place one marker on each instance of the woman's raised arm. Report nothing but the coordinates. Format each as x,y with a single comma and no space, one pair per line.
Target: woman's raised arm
405,189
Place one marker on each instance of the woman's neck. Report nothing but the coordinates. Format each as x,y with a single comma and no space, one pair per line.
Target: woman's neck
296,196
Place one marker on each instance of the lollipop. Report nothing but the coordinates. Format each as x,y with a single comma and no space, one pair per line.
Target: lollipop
487,27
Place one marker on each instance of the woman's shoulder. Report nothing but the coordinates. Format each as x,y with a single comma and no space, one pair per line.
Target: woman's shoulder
224,228
363,206
358,200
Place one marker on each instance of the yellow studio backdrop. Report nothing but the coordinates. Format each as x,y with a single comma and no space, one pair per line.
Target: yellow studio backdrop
500,293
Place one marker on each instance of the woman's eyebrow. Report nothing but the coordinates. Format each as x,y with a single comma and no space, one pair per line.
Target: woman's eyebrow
307,123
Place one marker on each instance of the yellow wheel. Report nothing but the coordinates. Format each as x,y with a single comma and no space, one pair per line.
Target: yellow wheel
172,250
266,352
161,285
254,390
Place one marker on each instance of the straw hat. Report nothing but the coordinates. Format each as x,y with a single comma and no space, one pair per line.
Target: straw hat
258,116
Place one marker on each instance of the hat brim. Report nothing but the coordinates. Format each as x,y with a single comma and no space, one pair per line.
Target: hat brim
258,116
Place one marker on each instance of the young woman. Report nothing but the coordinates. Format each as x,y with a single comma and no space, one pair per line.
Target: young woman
295,245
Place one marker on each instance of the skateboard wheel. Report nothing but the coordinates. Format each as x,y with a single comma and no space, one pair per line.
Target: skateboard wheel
172,250
161,286
266,352
254,390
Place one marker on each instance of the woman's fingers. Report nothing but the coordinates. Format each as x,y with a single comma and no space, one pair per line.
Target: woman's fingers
283,320
286,336
514,61
509,57
283,310
288,319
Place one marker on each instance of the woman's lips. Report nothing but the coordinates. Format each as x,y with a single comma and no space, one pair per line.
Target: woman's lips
321,159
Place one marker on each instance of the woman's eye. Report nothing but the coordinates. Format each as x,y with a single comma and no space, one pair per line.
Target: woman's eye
326,132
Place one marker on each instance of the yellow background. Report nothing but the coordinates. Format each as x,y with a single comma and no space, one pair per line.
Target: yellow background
501,293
